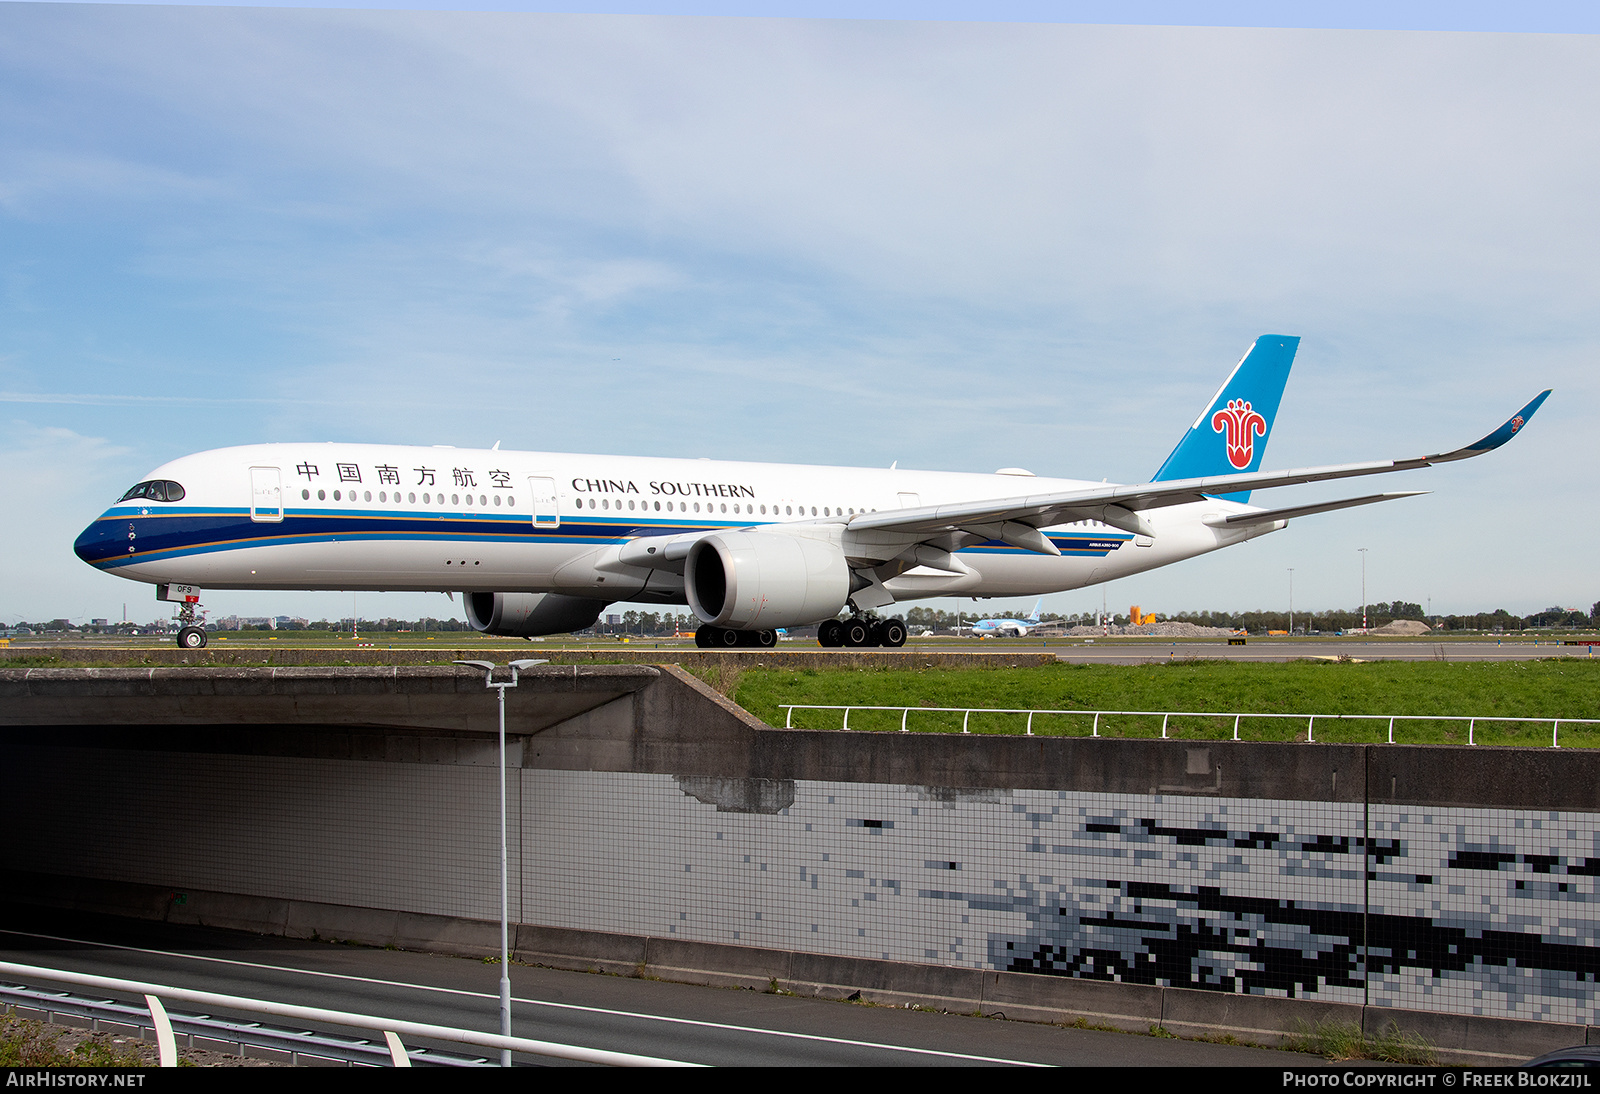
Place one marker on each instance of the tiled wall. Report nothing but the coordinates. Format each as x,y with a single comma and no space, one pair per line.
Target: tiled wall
1468,910
1475,911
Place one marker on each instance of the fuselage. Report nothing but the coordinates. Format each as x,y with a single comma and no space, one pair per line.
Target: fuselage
399,518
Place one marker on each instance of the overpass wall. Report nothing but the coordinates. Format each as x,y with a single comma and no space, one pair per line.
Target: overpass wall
1439,881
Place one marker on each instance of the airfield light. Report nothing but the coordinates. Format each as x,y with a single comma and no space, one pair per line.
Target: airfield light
1363,551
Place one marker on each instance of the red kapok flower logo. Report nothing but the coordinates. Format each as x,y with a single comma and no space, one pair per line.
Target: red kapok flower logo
1242,425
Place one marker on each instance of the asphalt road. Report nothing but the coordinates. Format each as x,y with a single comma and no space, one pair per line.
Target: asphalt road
724,1027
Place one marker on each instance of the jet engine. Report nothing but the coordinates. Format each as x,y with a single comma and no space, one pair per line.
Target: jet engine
751,580
528,615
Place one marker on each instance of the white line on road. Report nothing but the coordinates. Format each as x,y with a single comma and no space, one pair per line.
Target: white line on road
536,1002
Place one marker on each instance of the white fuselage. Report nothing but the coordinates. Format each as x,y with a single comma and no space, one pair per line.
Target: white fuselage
387,517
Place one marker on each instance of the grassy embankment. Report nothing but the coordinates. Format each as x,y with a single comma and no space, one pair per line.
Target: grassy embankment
1566,688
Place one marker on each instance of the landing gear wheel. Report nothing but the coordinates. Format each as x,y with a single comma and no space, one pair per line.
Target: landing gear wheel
831,633
192,638
726,639
891,633
766,639
702,637
857,632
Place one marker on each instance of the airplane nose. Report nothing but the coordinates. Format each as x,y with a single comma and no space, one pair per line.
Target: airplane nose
96,543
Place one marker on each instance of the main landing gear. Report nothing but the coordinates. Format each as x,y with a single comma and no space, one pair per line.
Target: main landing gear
862,632
721,638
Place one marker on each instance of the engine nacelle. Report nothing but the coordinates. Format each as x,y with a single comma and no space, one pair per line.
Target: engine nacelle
528,615
759,580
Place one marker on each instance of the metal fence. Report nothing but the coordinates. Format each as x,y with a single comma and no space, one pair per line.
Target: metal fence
1166,717
154,1016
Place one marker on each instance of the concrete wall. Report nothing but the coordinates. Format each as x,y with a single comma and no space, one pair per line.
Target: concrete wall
1127,882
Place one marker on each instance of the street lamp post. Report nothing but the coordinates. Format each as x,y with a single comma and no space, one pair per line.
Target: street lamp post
505,956
1291,601
1363,551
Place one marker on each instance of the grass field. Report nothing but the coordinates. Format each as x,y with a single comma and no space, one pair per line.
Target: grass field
1564,688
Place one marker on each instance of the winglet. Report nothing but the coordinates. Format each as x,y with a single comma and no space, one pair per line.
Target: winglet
1498,437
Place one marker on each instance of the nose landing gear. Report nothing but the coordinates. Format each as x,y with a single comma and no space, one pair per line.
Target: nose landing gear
191,625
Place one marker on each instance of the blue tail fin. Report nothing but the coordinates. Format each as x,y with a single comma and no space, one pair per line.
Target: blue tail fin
1230,436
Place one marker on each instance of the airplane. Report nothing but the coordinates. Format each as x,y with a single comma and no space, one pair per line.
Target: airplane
541,543
1009,628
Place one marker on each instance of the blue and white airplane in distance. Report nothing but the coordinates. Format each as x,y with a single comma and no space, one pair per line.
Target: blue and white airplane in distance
541,543
1009,628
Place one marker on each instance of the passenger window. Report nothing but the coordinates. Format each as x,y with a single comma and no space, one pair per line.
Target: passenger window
305,495
322,495
366,495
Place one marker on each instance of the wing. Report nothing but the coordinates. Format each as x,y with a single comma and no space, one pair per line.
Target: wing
870,537
1017,520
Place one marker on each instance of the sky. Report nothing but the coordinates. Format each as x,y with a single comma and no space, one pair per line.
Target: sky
766,232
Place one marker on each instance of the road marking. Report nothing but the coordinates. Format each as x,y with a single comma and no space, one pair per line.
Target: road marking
536,1002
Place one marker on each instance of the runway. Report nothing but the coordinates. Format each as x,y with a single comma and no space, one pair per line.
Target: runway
1133,651
726,1027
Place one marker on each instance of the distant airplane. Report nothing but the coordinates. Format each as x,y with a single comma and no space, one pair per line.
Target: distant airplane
1009,628
541,543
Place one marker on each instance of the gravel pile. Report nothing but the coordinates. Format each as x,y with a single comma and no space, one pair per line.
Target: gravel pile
1154,630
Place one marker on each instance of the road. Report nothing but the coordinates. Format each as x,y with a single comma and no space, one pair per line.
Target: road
724,1027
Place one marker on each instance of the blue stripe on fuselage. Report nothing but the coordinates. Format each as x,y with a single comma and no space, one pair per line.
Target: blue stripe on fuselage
177,532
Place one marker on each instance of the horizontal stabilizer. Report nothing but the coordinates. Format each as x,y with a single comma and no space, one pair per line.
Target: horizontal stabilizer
1245,520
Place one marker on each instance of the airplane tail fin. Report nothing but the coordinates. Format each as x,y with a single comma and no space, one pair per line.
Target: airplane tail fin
1230,436
1033,616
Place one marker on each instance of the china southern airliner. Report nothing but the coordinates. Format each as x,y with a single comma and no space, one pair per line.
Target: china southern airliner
540,543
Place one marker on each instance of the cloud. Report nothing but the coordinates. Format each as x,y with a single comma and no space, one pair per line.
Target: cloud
848,242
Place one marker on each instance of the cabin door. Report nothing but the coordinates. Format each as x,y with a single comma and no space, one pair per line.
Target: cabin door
546,506
266,495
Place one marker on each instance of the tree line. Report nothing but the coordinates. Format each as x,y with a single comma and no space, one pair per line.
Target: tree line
665,624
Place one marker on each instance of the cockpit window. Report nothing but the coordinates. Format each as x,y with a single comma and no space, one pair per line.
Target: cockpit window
155,490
